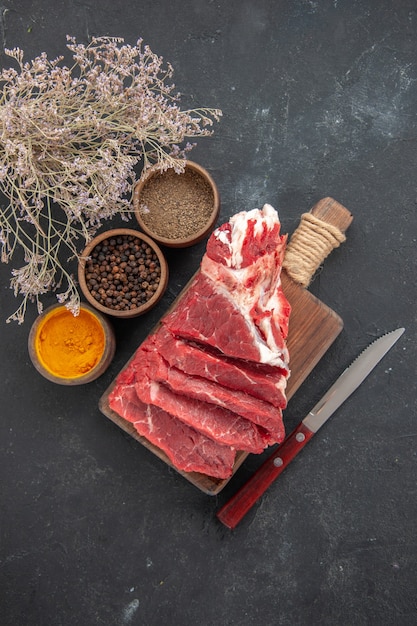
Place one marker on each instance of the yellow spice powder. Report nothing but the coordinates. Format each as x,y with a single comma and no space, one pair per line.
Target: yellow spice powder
69,346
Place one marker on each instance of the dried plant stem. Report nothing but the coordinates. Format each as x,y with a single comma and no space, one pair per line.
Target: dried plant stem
70,140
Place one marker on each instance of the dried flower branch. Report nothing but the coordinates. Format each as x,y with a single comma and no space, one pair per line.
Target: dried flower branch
70,139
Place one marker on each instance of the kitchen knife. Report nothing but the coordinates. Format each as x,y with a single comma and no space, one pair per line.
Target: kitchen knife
237,507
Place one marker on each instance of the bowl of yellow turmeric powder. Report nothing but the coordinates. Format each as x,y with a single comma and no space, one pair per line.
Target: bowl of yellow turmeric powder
68,349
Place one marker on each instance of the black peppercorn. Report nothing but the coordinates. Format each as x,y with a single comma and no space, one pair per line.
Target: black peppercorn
122,273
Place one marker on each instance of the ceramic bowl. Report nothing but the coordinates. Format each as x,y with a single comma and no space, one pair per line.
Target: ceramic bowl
68,349
177,210
123,273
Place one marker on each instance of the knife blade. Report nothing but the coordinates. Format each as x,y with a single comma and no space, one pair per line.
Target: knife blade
237,507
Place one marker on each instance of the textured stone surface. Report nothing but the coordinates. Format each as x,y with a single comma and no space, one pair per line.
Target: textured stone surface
319,98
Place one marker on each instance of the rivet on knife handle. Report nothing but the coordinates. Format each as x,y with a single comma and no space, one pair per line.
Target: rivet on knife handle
237,507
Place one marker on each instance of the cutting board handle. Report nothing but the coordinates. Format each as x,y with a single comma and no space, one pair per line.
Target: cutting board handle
319,232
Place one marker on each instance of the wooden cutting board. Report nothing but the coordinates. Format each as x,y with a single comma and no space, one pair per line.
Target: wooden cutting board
313,328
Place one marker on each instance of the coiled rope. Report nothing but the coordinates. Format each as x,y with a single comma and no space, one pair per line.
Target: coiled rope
310,244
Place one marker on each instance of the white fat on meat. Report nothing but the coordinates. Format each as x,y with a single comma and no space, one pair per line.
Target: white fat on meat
239,222
263,275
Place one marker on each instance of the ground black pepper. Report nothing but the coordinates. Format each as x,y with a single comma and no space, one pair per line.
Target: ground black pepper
176,206
123,272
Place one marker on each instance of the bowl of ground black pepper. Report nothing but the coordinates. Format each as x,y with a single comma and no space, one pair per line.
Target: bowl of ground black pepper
177,210
123,273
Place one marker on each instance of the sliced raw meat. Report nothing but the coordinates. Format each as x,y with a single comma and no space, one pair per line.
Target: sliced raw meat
258,380
245,256
221,425
214,421
257,411
187,449
236,303
209,316
252,409
212,380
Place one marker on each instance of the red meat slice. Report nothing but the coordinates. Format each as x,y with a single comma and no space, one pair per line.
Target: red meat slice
258,380
245,258
186,448
257,411
221,424
210,317
236,303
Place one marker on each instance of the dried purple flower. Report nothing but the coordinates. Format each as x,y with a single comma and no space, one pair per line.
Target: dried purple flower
69,144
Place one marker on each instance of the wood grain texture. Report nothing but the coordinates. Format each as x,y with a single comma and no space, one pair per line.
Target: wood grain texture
334,213
313,328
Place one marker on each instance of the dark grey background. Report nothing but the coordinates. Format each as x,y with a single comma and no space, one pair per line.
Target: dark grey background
319,98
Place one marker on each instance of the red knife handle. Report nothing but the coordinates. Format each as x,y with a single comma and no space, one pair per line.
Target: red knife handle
236,508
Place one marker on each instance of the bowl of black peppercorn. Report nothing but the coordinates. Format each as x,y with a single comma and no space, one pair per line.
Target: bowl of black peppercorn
123,273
